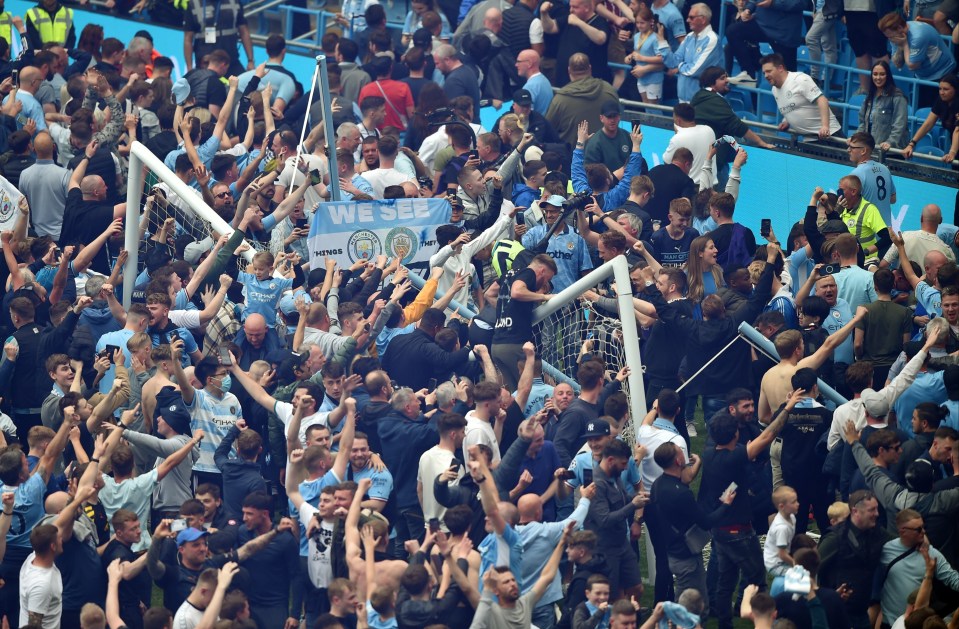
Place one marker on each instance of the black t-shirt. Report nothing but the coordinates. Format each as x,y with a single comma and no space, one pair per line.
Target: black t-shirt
81,585
947,114
670,183
102,163
137,589
83,221
804,427
573,40
720,468
722,237
514,318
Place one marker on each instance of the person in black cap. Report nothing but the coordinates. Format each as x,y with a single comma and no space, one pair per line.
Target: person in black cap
543,132
611,146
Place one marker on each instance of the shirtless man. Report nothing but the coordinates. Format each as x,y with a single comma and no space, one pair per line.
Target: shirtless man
163,359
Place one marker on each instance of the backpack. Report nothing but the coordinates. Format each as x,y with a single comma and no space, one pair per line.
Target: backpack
738,252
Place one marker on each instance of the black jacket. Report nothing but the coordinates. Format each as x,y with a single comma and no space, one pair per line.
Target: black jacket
576,592
412,359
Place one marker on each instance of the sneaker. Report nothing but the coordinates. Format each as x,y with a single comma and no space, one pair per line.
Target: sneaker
742,77
691,430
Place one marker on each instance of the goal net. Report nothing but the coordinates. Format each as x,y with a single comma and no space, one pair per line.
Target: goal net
154,195
567,327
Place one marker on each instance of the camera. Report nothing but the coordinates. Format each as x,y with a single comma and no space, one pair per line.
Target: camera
425,182
441,116
578,201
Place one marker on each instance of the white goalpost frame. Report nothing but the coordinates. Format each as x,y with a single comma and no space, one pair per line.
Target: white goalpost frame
618,269
141,158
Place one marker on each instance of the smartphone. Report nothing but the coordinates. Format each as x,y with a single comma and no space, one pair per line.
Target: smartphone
521,218
473,154
568,474
111,350
177,525
105,354
315,177
129,107
455,463
301,223
16,78
765,226
432,385
830,269
174,337
225,357
587,477
434,525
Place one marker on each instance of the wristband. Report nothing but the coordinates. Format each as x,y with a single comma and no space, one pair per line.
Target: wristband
93,459
8,514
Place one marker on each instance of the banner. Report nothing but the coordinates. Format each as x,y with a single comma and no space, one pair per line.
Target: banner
9,202
348,231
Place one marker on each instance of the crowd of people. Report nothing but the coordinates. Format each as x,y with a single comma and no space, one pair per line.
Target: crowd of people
277,440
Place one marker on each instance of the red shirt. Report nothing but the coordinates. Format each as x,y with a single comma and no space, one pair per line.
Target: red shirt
399,100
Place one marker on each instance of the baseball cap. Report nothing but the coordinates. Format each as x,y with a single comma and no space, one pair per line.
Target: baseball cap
189,535
874,403
422,38
523,98
610,108
556,200
193,251
596,428
834,226
181,91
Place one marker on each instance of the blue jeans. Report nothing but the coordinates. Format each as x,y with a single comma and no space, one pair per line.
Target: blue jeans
735,553
712,404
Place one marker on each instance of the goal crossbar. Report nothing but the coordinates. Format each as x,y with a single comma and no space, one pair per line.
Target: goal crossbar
141,157
618,270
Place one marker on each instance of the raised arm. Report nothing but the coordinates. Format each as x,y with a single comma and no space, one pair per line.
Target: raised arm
170,463
252,387
489,495
525,384
212,612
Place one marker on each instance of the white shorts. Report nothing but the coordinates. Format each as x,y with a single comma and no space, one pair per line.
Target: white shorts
653,91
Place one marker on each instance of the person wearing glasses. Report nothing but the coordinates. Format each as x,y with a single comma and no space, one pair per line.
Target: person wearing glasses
878,186
905,565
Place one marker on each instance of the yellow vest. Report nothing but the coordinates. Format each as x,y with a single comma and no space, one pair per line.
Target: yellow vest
6,26
55,30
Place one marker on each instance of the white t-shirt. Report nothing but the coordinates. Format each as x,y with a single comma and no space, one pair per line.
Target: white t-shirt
319,562
434,462
652,438
41,592
187,617
780,535
284,410
380,178
796,100
292,175
480,431
697,139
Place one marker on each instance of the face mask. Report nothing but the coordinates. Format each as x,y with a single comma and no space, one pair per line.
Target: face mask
225,384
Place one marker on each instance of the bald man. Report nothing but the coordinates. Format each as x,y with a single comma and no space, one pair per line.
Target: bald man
923,241
256,340
527,66
45,185
579,100
30,80
87,213
539,539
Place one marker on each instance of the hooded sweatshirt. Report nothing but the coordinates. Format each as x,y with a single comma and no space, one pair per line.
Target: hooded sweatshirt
578,101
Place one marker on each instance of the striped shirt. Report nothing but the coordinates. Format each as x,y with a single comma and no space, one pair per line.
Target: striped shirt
214,417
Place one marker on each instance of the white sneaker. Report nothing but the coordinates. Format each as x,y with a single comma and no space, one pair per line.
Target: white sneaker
691,430
742,77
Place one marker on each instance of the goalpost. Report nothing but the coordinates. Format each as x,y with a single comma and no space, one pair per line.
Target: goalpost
190,214
562,325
